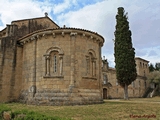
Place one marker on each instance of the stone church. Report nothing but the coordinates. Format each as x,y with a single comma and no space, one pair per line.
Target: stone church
42,63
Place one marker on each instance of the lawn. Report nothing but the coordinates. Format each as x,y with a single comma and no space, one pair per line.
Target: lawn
109,110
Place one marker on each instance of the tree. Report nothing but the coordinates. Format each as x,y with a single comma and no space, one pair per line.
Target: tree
124,52
154,77
151,67
157,66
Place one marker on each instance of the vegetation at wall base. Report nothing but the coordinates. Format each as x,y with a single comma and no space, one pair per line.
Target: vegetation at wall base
22,114
124,52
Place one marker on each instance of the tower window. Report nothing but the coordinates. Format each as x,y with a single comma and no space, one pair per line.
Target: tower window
105,80
140,64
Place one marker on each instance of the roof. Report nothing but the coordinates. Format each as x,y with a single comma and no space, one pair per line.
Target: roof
3,30
60,29
141,59
34,19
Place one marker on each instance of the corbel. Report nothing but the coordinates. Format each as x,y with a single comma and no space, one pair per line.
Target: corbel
63,34
54,35
73,34
91,37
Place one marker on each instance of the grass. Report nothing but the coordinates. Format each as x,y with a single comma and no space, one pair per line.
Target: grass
110,110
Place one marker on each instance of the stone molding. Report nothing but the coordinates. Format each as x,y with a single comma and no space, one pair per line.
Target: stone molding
57,76
88,77
55,32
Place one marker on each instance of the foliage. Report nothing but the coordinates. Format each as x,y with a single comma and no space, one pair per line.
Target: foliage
154,68
124,52
151,67
31,115
154,77
157,66
25,114
3,108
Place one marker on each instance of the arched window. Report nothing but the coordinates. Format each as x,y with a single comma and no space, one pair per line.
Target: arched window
105,79
139,84
53,62
91,64
140,64
145,84
144,73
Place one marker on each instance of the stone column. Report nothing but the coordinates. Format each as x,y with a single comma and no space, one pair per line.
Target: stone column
94,68
72,38
45,66
32,88
48,65
87,67
35,61
60,65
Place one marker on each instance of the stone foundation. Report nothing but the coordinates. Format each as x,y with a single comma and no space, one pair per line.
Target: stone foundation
62,97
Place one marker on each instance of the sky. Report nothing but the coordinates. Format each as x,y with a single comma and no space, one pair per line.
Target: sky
97,16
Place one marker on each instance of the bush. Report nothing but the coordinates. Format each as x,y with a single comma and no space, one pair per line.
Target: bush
24,114
31,115
3,108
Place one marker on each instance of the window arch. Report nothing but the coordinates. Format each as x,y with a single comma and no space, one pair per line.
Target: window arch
105,79
53,61
91,64
139,83
140,64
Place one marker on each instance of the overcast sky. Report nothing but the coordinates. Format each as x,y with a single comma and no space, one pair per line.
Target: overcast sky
97,16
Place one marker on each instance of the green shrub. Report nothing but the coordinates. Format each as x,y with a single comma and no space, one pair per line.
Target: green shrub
3,108
31,115
25,114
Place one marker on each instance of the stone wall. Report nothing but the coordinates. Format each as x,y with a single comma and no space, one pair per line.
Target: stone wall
7,68
11,56
27,26
137,89
142,66
70,84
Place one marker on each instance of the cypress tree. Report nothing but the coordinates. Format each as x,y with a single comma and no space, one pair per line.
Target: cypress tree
124,52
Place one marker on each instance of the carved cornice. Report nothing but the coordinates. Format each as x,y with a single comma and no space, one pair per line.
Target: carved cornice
63,32
89,77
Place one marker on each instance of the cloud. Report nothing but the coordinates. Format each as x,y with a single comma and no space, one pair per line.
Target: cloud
20,9
61,7
97,16
100,17
151,54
